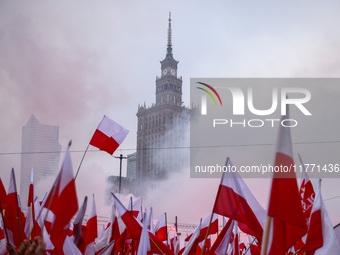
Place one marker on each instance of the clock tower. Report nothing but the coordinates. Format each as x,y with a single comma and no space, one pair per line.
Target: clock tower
161,126
169,86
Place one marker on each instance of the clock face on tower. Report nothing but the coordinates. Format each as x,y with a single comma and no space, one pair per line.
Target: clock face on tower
165,71
173,71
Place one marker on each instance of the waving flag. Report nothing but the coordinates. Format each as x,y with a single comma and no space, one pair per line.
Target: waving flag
135,229
220,246
15,222
234,200
161,228
78,234
62,202
321,238
306,192
108,136
3,195
92,230
286,220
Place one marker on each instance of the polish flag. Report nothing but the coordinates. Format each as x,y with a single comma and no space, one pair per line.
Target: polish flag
151,226
144,242
204,227
15,222
69,247
38,226
108,136
3,195
92,230
220,246
254,246
31,222
321,238
235,243
189,249
31,191
79,235
287,222
109,249
135,206
135,229
307,193
111,233
161,229
63,202
234,200
199,247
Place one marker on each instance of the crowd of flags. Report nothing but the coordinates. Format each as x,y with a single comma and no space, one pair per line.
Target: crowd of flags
296,221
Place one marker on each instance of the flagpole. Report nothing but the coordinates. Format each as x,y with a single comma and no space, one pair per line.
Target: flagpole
266,236
81,161
156,246
206,235
3,220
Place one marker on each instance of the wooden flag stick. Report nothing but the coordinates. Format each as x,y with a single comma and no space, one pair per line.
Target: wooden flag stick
266,236
81,161
3,220
206,235
299,251
156,246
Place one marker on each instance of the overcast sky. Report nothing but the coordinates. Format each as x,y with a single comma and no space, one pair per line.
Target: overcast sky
71,62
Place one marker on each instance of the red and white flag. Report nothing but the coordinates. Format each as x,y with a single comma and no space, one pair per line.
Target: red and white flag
135,206
92,229
287,223
321,238
3,195
307,193
69,247
78,233
234,200
161,228
235,246
110,234
38,226
151,226
204,227
220,246
30,217
144,242
14,218
108,135
135,229
62,202
192,243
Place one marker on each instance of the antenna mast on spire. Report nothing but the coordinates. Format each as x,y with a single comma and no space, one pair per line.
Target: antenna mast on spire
169,49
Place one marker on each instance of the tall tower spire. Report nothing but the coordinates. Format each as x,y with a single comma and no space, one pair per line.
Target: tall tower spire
169,49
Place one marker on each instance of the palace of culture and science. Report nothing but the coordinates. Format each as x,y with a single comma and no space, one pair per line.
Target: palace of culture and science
162,131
